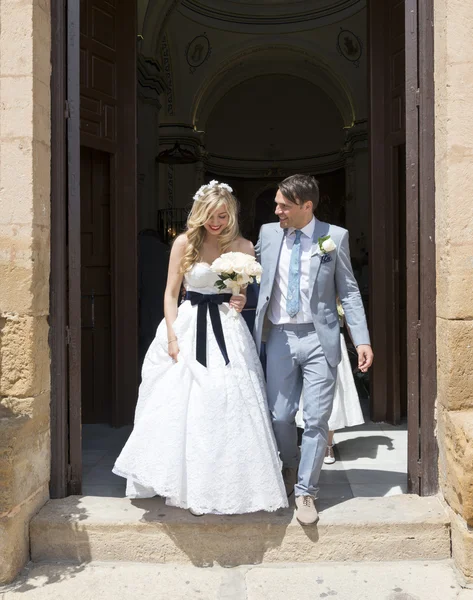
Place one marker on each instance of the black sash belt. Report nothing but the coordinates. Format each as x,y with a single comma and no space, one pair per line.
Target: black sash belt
211,301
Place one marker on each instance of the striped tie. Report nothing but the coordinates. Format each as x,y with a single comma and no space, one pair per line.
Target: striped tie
294,279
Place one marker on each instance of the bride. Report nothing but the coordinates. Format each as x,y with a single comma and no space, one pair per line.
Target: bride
202,436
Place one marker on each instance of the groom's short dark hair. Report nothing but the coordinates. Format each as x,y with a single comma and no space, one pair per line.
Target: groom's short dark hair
300,188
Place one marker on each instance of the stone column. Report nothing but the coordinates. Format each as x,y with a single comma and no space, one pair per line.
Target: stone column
151,85
25,46
357,207
200,169
454,239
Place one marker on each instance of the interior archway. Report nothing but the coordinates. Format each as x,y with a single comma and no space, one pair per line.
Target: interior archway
271,60
272,119
262,118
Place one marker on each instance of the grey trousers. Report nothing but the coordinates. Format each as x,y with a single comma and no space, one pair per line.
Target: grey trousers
296,362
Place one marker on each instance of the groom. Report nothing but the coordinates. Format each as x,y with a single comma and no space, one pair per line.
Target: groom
306,266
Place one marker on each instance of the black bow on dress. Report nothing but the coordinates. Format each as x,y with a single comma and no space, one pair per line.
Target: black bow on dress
212,301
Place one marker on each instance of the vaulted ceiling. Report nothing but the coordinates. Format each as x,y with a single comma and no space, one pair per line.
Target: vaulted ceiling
266,13
252,15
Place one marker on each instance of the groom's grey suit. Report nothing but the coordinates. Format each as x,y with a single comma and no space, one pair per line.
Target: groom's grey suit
305,356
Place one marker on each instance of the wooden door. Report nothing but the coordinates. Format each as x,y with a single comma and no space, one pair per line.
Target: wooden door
421,260
74,470
58,296
94,91
108,131
96,305
403,227
388,172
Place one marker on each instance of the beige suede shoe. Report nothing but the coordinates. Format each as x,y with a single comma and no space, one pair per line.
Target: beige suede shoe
306,512
289,475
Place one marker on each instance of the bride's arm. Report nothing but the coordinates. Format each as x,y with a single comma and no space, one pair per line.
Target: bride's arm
171,295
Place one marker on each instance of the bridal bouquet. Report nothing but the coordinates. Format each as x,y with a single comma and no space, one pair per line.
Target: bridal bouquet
236,270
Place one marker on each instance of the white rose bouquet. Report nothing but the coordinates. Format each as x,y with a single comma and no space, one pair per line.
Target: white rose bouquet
236,270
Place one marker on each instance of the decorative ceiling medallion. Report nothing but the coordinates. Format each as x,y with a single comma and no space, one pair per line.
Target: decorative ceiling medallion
350,46
263,14
198,51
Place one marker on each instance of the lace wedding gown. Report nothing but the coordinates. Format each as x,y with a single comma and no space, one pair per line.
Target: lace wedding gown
202,436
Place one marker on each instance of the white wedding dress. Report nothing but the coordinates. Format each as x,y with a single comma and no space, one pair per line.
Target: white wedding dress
202,436
346,411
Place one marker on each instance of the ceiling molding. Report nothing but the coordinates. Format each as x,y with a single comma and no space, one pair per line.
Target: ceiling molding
151,81
155,21
248,168
265,15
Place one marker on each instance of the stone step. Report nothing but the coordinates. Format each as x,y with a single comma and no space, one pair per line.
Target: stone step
400,580
87,528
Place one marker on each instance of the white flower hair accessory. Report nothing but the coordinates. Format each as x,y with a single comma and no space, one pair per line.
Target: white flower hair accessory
213,184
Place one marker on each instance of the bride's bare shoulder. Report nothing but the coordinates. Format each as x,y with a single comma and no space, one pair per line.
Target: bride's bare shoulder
244,245
181,241
179,245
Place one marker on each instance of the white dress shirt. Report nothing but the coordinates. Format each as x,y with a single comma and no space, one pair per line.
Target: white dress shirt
277,307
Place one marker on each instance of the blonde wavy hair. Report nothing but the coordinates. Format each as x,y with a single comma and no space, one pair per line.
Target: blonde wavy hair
202,209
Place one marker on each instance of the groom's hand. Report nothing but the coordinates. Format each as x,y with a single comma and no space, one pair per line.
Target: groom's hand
365,357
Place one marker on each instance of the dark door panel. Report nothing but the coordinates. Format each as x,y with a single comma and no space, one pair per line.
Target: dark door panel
96,287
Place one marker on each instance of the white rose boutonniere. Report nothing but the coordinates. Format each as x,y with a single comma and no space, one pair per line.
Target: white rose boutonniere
325,245
328,245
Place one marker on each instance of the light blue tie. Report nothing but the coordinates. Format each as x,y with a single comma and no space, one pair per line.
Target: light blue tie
294,279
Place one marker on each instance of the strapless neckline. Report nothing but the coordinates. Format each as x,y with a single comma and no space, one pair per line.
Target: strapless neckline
200,263
200,278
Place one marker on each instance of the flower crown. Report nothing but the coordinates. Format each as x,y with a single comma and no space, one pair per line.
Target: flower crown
213,184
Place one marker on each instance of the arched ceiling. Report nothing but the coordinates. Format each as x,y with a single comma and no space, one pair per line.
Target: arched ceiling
255,16
256,62
274,117
244,44
264,14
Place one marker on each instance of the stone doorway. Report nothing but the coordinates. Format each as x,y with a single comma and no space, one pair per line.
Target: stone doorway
166,177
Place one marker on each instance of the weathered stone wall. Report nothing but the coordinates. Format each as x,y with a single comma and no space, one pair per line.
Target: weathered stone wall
25,41
454,233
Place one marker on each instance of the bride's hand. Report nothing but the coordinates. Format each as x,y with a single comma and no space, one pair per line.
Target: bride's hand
173,349
238,302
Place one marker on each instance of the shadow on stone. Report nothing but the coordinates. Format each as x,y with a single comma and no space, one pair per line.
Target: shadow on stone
363,447
57,573
71,531
227,541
